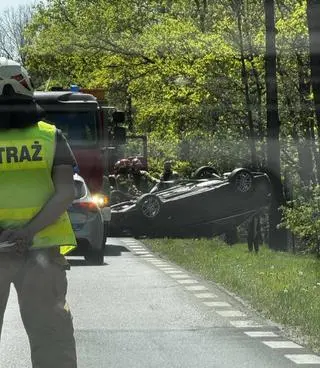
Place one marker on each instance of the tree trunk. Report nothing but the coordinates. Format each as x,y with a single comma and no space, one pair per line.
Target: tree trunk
261,133
306,161
277,237
315,152
245,81
260,136
202,8
313,16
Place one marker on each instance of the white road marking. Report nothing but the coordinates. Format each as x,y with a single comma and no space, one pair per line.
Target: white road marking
187,281
176,274
246,324
304,358
172,271
196,288
161,266
182,276
147,256
210,304
166,268
159,261
261,334
231,313
282,344
208,296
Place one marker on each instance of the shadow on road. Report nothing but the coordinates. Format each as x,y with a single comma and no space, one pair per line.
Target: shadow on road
77,262
115,250
111,251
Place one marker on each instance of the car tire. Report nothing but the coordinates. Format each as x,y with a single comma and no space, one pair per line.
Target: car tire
205,172
149,205
96,257
242,179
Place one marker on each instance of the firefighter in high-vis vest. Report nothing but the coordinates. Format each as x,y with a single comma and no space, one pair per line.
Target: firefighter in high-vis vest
36,188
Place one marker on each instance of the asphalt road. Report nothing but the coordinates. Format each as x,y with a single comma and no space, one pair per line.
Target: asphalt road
138,311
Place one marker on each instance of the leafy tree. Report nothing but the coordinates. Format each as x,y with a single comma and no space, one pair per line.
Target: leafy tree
12,24
301,217
195,77
277,238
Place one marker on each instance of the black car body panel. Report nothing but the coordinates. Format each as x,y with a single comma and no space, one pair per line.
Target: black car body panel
194,207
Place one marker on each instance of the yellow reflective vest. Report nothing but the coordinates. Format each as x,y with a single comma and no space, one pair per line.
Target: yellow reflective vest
26,159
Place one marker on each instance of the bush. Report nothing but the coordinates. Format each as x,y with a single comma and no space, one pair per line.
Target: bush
302,218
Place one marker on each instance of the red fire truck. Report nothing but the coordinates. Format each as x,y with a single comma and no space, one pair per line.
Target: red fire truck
96,132
97,135
118,143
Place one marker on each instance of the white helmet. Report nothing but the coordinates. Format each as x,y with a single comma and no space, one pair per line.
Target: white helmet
14,80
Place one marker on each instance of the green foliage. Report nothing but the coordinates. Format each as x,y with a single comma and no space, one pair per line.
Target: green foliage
160,56
180,63
302,218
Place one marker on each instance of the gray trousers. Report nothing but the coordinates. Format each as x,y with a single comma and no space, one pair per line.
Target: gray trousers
41,284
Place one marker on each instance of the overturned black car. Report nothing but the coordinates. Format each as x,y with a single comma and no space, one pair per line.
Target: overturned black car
206,206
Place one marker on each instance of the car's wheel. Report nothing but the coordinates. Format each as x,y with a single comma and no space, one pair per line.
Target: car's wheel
242,180
205,172
149,205
96,257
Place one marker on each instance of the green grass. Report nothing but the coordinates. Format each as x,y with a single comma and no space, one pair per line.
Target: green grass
283,287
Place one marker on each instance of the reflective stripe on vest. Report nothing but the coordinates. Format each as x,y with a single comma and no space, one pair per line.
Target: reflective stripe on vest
26,159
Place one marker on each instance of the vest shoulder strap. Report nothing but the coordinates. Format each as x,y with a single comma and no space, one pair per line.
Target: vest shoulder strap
49,128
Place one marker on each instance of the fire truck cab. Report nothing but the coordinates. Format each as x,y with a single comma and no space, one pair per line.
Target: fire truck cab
78,117
95,131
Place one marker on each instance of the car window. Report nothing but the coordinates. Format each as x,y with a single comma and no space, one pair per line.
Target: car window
78,127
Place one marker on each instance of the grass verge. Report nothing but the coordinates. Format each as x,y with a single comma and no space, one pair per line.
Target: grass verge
283,287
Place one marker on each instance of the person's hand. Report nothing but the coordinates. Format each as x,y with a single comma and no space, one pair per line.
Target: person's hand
21,238
21,247
6,235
